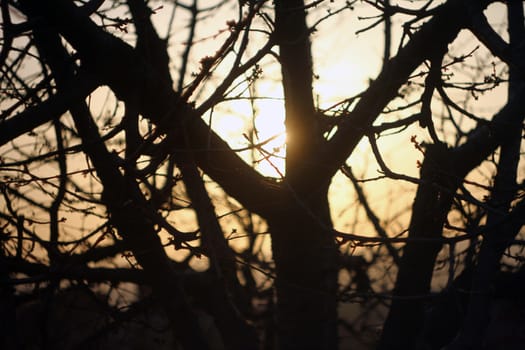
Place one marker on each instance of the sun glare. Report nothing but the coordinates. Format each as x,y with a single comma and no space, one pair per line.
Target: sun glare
258,130
271,138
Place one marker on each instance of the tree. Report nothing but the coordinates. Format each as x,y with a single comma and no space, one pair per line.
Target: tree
85,192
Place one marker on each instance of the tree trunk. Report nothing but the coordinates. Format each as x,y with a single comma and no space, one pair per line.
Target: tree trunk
303,246
305,256
431,205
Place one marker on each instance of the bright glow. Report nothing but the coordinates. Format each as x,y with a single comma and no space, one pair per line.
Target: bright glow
258,129
271,131
229,125
337,81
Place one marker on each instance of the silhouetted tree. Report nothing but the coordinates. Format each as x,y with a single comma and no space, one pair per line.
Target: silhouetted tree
108,145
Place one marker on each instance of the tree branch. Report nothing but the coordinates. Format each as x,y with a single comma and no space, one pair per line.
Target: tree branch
432,38
133,79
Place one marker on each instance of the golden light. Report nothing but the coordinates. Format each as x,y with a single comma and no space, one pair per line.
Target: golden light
255,127
271,135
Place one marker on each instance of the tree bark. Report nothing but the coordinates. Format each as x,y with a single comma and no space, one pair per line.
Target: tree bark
305,257
302,134
434,196
303,246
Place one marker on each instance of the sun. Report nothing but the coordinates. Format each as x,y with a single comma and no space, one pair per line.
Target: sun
255,128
